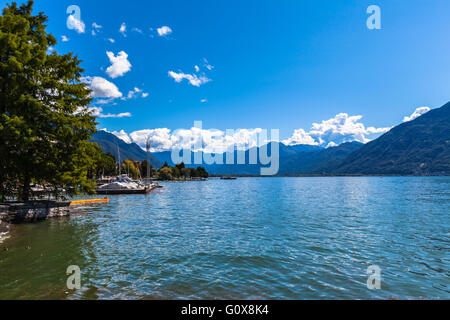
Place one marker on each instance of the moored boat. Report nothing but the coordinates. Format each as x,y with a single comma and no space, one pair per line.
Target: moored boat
124,185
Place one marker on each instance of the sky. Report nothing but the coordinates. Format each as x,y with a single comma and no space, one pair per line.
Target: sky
312,69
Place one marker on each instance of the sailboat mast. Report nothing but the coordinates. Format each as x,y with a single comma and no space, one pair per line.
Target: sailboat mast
148,160
120,167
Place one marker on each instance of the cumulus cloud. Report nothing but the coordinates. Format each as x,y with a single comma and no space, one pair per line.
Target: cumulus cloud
197,68
119,64
328,133
123,29
211,141
340,129
98,112
192,78
144,95
123,136
300,136
76,24
64,38
164,31
102,88
111,40
204,100
417,113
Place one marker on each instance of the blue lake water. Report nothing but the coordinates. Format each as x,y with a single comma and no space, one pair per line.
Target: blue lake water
252,238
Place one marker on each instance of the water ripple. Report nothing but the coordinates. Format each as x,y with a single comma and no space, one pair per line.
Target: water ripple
280,238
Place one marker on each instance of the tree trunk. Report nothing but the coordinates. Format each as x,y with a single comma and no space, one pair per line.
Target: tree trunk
26,189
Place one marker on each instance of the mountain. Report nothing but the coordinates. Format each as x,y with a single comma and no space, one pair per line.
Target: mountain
418,147
323,161
294,160
110,142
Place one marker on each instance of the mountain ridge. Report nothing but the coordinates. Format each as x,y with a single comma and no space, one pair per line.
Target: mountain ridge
417,147
128,151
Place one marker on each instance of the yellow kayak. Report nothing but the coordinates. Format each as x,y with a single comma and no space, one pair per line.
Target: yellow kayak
79,202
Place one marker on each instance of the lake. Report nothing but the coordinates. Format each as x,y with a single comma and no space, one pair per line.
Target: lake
251,238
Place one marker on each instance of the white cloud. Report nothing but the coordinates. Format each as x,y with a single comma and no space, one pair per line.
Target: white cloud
192,78
332,144
213,141
76,24
96,28
104,101
119,64
164,31
197,68
329,133
300,136
136,92
102,88
122,135
98,112
111,40
417,113
132,93
204,100
340,129
64,39
207,65
123,29
160,139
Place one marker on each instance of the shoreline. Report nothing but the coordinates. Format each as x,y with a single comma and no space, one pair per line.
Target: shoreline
331,176
30,212
4,232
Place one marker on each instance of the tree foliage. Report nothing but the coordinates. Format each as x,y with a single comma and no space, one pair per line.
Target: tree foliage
180,171
105,165
45,126
129,167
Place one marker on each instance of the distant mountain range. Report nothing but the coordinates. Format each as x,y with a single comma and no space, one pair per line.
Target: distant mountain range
418,147
111,144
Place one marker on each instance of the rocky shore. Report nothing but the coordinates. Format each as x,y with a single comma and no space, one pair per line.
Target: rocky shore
18,212
35,211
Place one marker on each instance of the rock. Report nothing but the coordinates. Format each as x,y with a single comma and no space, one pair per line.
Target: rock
33,211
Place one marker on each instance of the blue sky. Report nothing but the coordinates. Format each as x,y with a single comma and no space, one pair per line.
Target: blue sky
276,64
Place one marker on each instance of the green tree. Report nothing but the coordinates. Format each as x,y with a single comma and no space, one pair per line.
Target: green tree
106,165
130,168
165,173
186,172
145,168
201,172
180,166
45,125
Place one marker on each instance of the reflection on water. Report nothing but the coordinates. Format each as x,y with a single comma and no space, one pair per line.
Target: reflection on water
267,238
